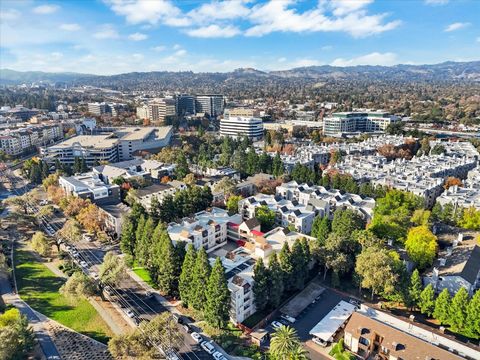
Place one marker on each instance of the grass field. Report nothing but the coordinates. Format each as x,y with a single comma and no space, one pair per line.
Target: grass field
38,286
143,273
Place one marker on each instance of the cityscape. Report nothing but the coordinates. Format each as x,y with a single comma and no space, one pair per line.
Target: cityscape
234,179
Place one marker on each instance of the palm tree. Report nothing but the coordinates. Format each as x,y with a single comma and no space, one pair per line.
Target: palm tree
285,345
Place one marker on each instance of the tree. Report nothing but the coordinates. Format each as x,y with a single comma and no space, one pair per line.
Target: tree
232,203
320,229
45,211
472,323
51,179
168,210
415,288
457,313
77,285
426,301
339,353
16,337
181,170
275,281
421,246
266,217
470,219
421,217
286,264
452,181
277,166
148,237
91,218
75,205
442,307
333,255
166,261
299,261
41,244
200,278
225,185
112,270
284,343
260,285
20,202
217,296
345,222
186,277
128,239
375,268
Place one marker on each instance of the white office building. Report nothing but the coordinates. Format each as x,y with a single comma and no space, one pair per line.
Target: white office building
239,126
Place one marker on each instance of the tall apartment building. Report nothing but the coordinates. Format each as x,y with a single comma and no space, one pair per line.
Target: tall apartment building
237,127
142,112
97,108
185,104
16,141
344,123
213,105
160,109
10,145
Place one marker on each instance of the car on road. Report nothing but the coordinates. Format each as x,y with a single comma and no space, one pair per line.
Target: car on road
288,318
170,355
196,336
148,294
217,355
94,275
83,264
276,324
130,313
209,348
187,328
87,237
43,202
68,248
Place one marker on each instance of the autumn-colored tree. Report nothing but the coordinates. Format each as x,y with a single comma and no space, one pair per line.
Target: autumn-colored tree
75,205
452,181
55,194
165,179
91,218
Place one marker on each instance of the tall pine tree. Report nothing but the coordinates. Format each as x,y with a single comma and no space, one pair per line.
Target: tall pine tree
457,313
426,301
201,275
415,288
138,236
166,262
128,239
260,285
186,277
286,264
472,328
276,282
217,296
442,307
298,265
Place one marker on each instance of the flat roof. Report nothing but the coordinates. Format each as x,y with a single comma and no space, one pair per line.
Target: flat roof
139,133
89,141
330,324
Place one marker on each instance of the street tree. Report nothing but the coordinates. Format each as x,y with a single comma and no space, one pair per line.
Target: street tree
128,239
71,231
260,285
186,277
41,244
78,286
112,270
167,263
217,296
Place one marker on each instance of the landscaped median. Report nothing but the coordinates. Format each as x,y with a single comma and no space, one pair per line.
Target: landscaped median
39,287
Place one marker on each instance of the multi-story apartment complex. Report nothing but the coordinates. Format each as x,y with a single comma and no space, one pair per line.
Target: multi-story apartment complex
185,105
90,186
344,123
117,144
142,112
159,191
160,109
102,108
10,145
286,212
18,112
136,168
237,127
206,229
324,201
373,334
211,104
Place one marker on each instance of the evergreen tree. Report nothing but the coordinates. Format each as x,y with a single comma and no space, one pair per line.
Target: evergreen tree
472,328
201,273
345,222
321,229
252,162
426,301
186,277
155,208
217,296
261,285
276,286
145,246
457,313
299,264
286,264
166,262
277,166
128,239
415,288
168,211
139,234
442,307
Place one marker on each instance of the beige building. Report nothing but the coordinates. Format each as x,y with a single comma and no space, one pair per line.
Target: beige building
160,109
244,112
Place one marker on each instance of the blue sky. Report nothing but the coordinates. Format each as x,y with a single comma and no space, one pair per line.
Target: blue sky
115,36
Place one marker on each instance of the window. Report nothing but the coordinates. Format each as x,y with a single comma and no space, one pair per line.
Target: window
364,341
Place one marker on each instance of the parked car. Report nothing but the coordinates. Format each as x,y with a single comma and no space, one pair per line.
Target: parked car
108,290
354,302
217,355
94,275
148,294
187,328
276,324
83,264
87,237
209,348
43,202
288,318
196,336
130,313
320,342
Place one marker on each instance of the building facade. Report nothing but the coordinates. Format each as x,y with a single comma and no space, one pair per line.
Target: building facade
237,127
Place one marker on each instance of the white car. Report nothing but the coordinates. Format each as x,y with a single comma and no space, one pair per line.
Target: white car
288,318
207,347
196,336
354,302
276,324
217,355
83,264
129,313
320,342
94,275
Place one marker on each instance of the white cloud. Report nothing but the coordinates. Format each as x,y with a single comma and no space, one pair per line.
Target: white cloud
159,48
436,2
344,7
9,14
282,59
214,31
348,17
70,27
177,46
148,11
219,10
106,32
456,26
56,55
137,36
45,9
326,47
375,58
138,56
478,39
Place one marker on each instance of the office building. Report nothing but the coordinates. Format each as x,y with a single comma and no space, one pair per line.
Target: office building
212,105
136,168
242,112
185,105
238,127
350,123
98,109
160,110
90,186
142,112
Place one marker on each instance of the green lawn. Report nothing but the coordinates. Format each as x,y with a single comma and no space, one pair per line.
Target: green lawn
38,286
143,273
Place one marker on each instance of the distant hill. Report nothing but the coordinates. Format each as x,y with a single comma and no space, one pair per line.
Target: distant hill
248,77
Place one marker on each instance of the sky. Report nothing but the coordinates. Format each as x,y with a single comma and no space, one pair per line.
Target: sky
118,36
